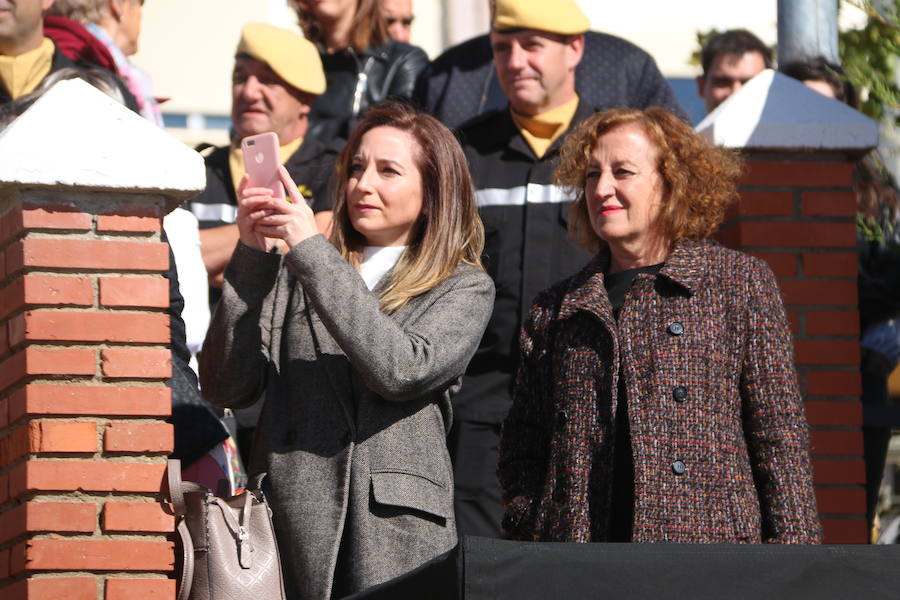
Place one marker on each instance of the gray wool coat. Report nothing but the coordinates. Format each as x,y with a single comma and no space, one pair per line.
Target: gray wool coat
357,406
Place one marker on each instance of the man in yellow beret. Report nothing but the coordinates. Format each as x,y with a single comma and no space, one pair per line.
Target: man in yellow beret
277,75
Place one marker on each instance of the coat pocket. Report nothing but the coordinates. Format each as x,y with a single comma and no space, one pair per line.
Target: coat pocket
410,490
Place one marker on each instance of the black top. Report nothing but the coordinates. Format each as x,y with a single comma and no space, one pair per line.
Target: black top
622,508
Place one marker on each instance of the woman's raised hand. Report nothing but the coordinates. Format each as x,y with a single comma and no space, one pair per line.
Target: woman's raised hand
289,220
252,206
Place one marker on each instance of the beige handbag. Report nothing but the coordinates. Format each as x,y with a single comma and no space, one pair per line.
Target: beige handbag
228,547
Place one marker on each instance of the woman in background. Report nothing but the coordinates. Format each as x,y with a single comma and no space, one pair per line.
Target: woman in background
359,344
363,65
656,399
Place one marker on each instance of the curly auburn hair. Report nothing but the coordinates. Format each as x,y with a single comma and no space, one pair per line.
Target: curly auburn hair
699,179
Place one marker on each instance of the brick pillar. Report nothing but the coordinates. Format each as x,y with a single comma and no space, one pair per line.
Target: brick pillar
83,360
797,212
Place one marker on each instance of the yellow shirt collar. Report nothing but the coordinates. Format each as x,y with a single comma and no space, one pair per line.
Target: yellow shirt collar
23,73
542,130
236,159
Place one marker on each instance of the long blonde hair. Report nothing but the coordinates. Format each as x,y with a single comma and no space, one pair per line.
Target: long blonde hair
449,230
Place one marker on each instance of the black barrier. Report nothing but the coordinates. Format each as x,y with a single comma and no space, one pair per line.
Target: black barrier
487,569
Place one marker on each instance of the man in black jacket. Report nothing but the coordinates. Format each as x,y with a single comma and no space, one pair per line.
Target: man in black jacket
462,84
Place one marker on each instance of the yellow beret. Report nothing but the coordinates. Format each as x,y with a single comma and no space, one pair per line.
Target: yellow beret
553,16
288,54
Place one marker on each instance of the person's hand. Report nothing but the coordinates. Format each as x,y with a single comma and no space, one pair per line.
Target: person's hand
252,206
291,221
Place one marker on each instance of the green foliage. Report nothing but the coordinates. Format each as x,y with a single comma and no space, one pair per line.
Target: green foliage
869,58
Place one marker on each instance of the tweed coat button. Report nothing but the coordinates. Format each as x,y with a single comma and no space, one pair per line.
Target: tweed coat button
675,328
678,467
562,417
679,393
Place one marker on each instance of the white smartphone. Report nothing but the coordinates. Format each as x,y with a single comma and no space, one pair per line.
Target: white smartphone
261,160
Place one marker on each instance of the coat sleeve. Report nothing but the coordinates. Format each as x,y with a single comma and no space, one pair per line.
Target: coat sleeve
398,363
524,439
774,423
236,354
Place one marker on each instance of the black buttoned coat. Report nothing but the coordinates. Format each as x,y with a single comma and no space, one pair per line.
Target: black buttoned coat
719,438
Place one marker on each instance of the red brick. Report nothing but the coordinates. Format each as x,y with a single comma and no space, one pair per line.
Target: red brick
87,254
836,443
842,472
107,400
832,322
76,517
784,264
4,564
826,352
4,490
819,293
85,326
4,339
99,555
831,383
729,236
766,204
150,292
138,437
4,412
829,204
830,264
114,223
845,531
48,217
14,445
140,589
17,558
151,517
846,413
46,361
793,321
841,500
52,290
796,235
136,363
94,476
798,173
54,588
137,210
62,436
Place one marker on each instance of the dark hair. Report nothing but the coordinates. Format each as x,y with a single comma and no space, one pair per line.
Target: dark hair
819,69
449,230
367,30
733,41
699,179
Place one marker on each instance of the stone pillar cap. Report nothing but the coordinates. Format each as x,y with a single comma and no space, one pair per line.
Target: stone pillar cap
775,112
75,136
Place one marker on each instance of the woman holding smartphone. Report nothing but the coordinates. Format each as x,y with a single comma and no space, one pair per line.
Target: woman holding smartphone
358,344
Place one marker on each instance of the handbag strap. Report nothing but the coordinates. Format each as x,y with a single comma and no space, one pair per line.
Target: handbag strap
187,561
176,493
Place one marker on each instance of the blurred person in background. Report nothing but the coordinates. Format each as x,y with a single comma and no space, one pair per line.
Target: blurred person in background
363,65
656,398
116,24
729,60
398,16
878,247
462,84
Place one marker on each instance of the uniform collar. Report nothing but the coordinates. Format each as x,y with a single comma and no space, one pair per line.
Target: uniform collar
585,291
518,143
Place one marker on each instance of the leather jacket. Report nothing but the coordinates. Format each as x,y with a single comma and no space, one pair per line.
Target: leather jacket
357,80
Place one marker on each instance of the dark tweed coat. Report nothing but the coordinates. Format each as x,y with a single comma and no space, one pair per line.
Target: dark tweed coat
719,438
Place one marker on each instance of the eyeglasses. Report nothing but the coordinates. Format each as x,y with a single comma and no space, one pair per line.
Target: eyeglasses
405,21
